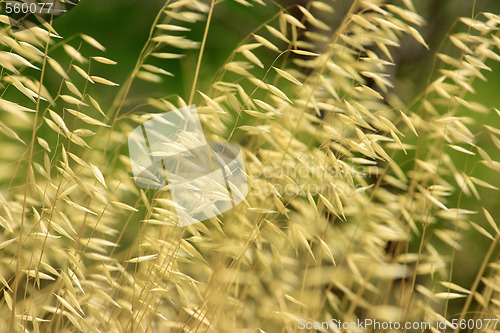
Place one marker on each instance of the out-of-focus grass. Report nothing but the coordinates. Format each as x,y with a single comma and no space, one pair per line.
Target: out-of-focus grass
123,26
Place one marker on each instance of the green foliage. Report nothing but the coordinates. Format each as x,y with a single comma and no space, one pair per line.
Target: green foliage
360,205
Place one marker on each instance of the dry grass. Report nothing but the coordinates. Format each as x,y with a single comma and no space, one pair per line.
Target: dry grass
351,211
